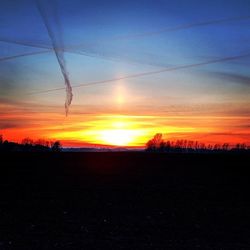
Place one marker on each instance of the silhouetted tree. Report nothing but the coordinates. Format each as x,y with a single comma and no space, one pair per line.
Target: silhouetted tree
162,146
56,146
225,146
190,144
42,142
217,147
155,143
240,146
28,145
27,141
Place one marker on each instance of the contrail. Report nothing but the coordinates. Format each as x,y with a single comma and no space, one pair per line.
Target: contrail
75,48
182,27
25,43
187,66
59,55
170,29
23,55
87,53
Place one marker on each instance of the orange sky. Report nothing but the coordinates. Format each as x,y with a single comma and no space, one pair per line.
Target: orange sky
107,126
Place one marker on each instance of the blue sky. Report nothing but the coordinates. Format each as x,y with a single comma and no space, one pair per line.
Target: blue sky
97,27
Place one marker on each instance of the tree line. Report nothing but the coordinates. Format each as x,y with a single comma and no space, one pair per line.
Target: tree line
29,145
158,144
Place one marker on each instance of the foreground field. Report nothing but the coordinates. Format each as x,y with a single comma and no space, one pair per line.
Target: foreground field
124,201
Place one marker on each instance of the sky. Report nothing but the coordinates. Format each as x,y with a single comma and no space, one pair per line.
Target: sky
136,68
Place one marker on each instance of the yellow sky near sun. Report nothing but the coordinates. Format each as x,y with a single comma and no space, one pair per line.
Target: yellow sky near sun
120,130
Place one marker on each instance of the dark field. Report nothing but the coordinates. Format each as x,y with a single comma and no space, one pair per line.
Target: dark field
124,201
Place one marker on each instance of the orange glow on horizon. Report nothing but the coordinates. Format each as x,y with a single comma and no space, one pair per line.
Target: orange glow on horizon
120,130
128,130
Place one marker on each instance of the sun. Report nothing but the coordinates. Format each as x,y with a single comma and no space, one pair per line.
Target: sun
118,137
121,132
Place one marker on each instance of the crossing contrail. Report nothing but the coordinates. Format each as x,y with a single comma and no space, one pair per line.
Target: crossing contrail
23,55
88,53
181,67
57,42
168,29
25,43
78,49
182,27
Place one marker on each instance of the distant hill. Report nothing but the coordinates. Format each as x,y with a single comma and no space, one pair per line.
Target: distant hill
102,149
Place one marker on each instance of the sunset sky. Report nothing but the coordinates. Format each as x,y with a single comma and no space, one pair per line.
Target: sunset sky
117,42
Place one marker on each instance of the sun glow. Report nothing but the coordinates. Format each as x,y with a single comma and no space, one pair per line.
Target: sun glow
120,94
117,130
118,137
